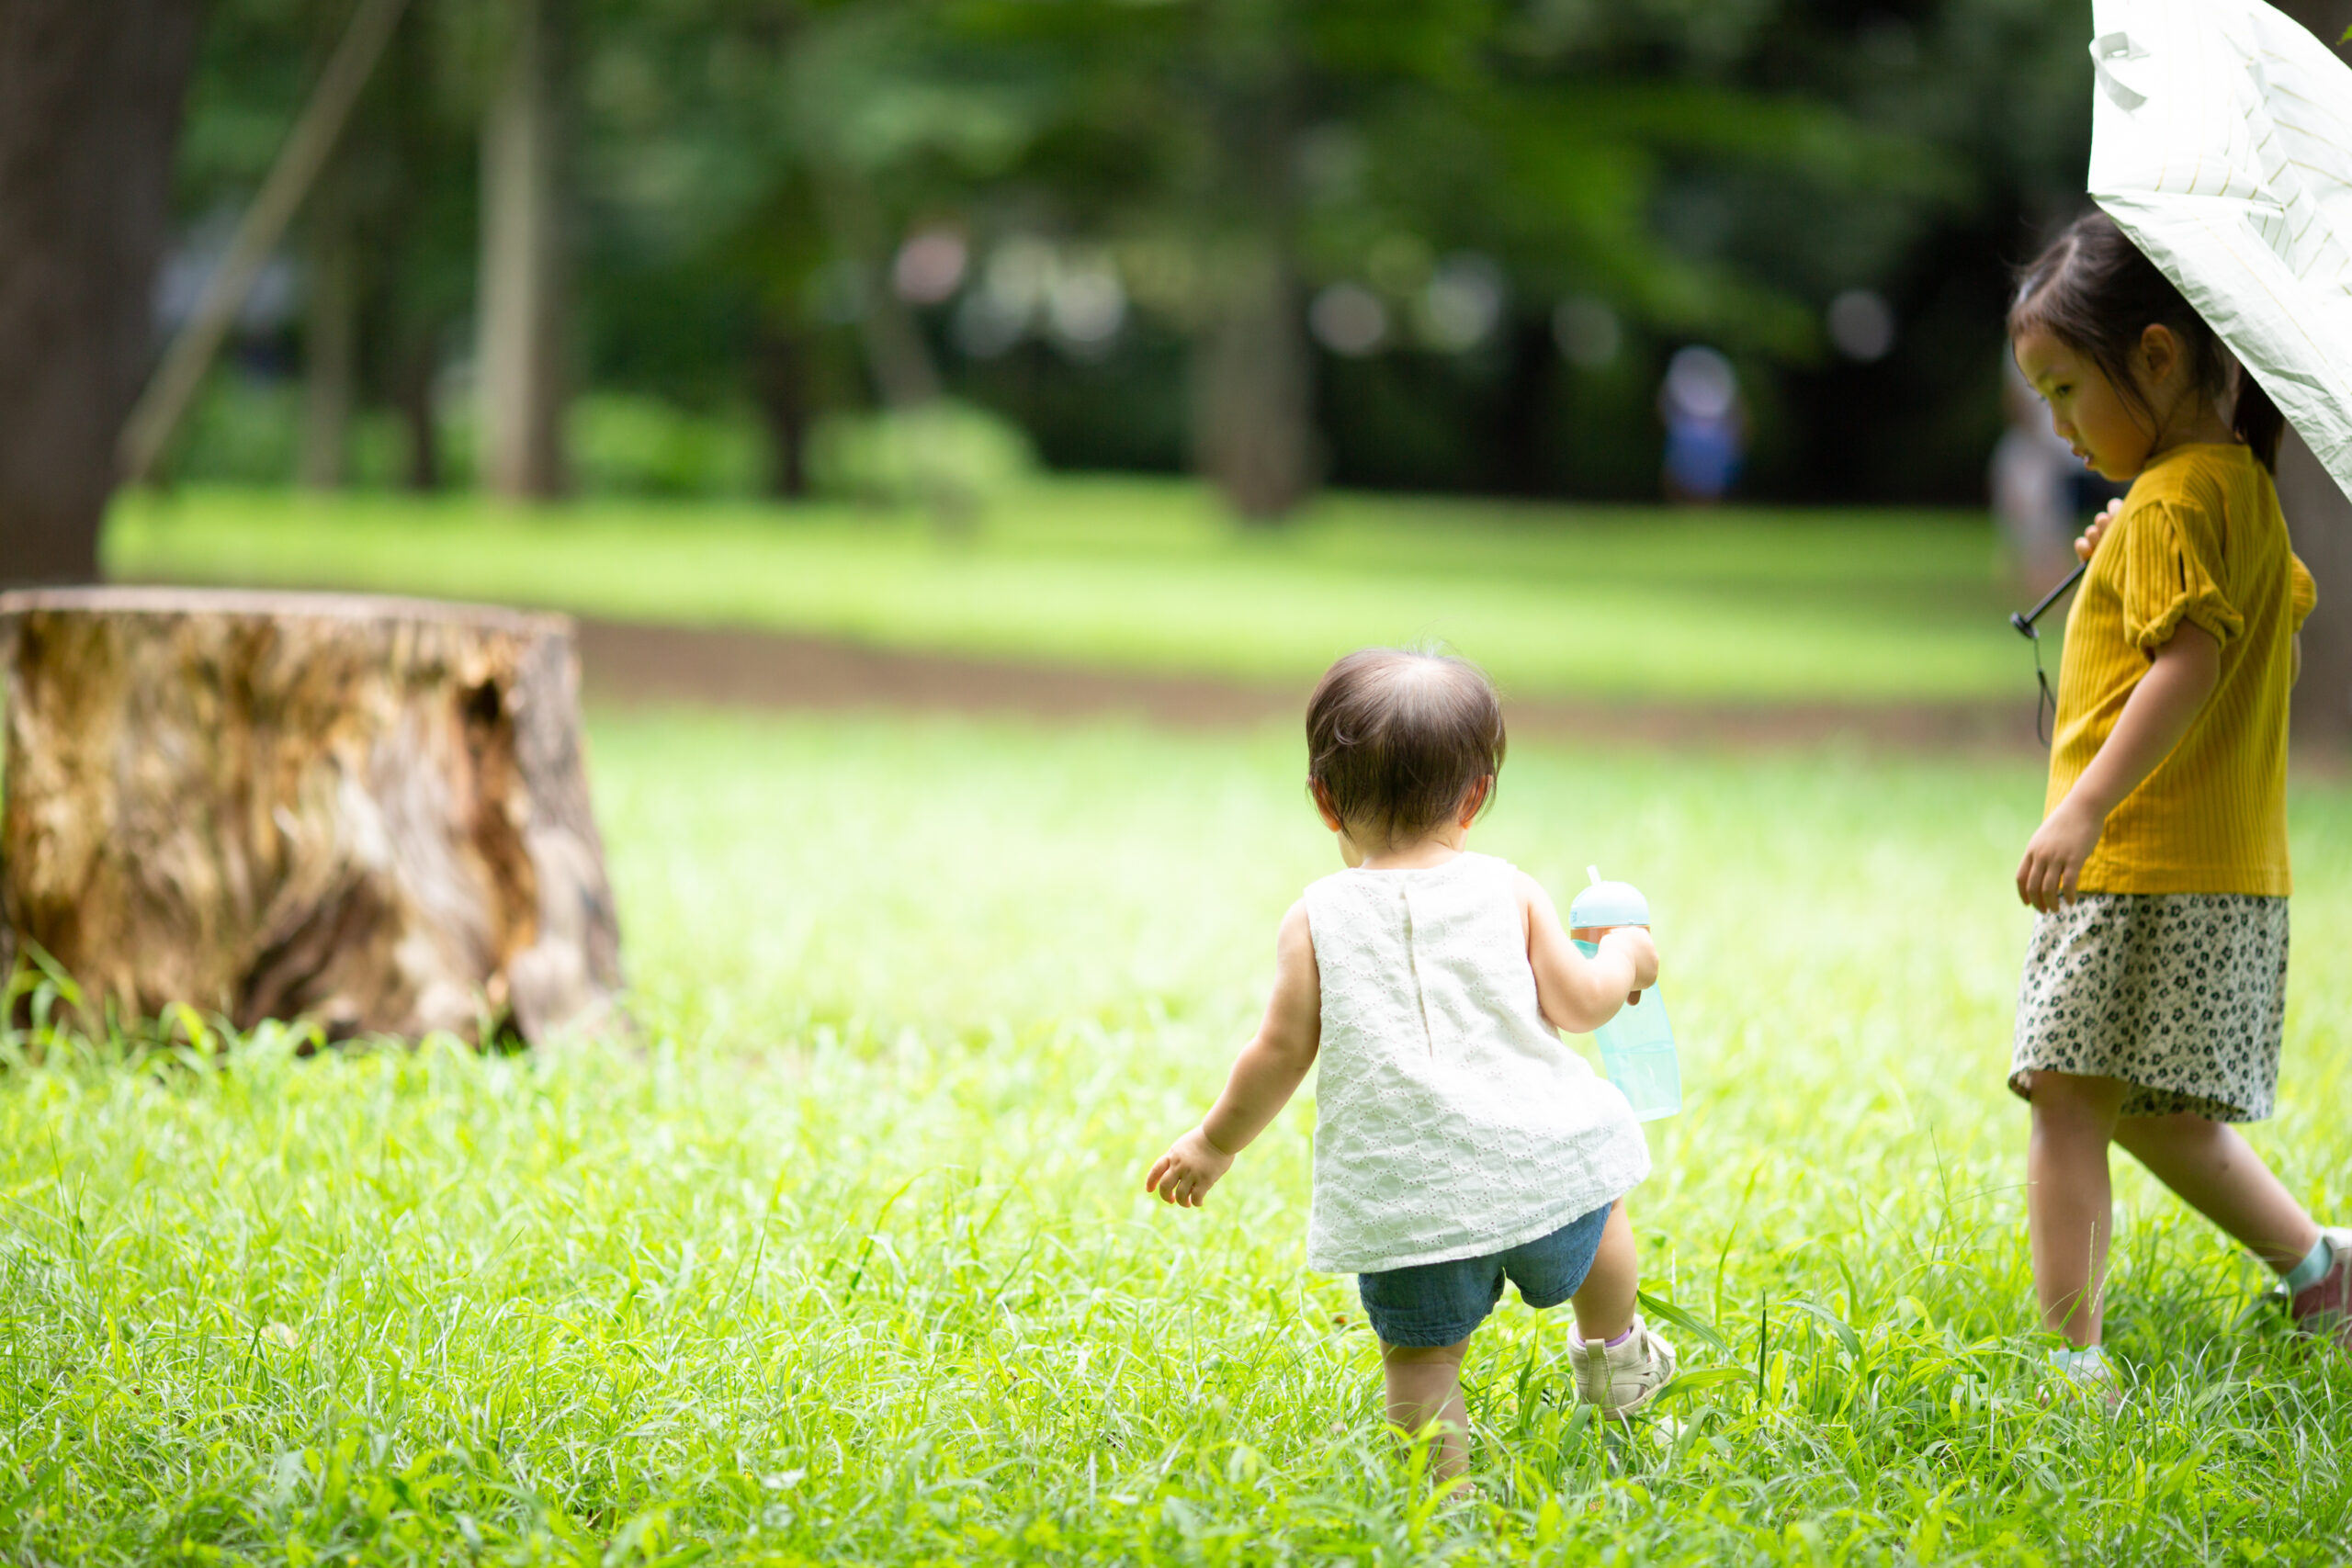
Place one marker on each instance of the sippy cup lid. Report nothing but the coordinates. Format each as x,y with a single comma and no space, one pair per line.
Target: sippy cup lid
1608,904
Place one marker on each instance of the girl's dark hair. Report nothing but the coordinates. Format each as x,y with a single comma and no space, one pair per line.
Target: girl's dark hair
2094,292
1397,739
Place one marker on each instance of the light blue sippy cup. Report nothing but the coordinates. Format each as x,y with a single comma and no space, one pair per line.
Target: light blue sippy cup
1637,1045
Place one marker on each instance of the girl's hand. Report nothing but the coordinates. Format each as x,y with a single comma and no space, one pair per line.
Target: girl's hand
2088,542
2053,859
1185,1173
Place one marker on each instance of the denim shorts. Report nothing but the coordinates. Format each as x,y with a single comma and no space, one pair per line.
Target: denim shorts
1441,1304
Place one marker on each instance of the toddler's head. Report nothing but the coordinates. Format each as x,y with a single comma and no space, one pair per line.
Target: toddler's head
2121,358
1401,744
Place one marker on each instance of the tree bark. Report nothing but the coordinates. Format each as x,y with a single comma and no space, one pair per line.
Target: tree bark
370,813
90,99
521,303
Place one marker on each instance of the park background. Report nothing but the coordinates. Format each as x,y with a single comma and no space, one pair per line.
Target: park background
963,429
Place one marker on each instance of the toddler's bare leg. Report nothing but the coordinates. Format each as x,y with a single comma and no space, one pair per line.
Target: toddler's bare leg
1604,1303
1425,1385
2221,1175
2069,1203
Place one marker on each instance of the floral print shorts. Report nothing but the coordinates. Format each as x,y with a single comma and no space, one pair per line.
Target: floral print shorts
2183,995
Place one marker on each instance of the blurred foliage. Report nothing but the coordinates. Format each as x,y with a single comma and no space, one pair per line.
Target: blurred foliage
946,455
634,445
744,173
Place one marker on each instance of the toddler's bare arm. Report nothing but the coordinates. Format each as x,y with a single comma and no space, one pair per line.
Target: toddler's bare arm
1266,1074
1577,993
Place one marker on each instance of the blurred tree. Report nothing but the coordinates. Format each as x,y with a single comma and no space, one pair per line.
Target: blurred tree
386,241
90,101
331,326
417,163
770,157
1499,216
1253,415
1456,166
522,308
330,336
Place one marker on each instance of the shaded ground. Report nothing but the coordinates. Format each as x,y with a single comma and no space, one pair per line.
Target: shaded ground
635,663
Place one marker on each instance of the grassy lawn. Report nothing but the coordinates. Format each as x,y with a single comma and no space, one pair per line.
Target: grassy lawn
1145,575
848,1262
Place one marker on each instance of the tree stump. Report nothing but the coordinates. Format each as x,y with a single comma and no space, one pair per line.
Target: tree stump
370,813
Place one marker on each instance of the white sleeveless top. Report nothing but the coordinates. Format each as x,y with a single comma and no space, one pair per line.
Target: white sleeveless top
1451,1120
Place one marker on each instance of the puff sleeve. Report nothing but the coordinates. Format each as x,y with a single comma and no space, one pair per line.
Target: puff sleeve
2171,572
2304,595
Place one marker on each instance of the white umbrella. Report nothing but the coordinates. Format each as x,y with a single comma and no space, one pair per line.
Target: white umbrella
2222,142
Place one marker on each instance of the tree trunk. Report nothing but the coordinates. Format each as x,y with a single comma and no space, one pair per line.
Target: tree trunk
90,101
1525,420
411,286
521,304
413,391
329,342
370,813
780,373
1252,393
1253,430
2319,517
896,355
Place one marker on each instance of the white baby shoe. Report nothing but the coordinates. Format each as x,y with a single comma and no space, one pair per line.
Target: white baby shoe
1621,1379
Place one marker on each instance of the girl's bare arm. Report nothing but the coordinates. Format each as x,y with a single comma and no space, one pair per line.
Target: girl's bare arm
1264,1076
2154,718
1579,994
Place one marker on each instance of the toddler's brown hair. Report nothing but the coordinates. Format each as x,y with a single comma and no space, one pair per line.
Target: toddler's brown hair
1397,739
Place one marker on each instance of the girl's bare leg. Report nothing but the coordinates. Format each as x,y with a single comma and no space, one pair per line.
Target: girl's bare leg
2070,1205
1604,1303
1425,1386
2222,1178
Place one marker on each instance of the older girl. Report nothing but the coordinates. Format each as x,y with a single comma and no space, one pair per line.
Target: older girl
2153,991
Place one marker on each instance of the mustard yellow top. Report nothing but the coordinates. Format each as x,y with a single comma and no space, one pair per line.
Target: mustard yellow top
2200,539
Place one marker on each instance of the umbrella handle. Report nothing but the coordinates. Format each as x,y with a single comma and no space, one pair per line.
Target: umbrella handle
2024,620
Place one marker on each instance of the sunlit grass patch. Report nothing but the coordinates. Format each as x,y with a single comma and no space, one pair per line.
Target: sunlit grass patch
844,1259
1862,607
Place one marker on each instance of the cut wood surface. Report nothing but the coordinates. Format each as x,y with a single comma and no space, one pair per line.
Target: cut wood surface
368,812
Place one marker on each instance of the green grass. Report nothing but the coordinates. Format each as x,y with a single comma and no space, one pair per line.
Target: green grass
847,1262
1143,575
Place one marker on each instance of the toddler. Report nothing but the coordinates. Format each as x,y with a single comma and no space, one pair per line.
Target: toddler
1457,1142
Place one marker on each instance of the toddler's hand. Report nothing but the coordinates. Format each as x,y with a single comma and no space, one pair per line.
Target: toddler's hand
1641,947
1185,1173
